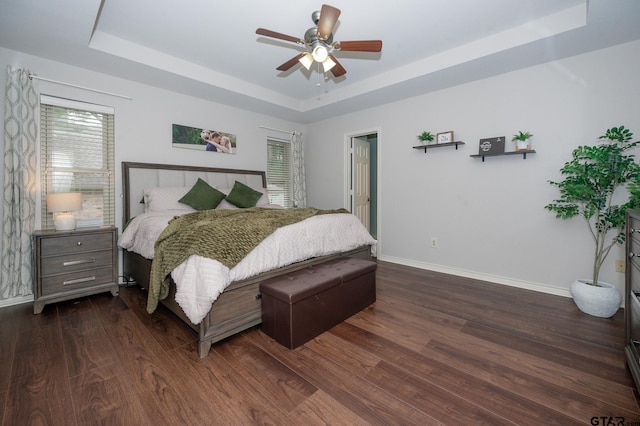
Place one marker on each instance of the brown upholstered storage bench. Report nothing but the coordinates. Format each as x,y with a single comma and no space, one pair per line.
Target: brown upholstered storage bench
299,306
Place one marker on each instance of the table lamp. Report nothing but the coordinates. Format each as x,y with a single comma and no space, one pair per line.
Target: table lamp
62,204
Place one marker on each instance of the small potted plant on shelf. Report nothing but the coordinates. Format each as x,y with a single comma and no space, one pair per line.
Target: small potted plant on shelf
589,190
521,140
425,137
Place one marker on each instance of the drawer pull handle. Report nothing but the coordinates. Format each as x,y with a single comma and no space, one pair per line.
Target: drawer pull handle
79,280
79,243
632,230
78,262
632,254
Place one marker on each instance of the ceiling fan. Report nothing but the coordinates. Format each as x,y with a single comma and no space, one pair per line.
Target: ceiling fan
319,44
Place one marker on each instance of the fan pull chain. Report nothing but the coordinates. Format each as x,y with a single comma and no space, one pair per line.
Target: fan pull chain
319,74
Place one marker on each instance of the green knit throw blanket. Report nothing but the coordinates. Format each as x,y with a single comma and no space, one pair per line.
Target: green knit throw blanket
226,235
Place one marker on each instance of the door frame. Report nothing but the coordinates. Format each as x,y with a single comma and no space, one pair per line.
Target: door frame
374,174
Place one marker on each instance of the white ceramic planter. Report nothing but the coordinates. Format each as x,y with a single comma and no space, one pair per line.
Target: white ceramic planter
602,300
523,145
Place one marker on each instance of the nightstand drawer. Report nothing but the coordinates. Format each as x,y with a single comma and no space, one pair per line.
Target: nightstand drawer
80,279
76,244
76,262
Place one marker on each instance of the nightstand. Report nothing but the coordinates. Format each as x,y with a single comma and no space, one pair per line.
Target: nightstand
72,264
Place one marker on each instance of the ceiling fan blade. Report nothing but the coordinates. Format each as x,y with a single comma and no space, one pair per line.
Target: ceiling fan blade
328,18
359,45
338,70
269,33
291,62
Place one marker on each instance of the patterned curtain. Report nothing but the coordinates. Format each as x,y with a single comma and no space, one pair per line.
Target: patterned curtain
299,185
20,165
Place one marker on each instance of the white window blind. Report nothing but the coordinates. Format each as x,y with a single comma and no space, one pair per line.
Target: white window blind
279,183
77,155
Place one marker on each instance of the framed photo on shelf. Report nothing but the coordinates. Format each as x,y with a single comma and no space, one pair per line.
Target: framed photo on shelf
444,137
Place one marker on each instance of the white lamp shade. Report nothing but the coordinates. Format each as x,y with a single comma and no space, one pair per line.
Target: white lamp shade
306,60
319,53
327,64
61,203
64,202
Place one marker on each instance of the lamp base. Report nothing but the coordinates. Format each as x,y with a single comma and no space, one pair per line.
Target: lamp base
64,222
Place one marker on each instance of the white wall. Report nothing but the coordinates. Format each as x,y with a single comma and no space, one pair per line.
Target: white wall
143,125
489,217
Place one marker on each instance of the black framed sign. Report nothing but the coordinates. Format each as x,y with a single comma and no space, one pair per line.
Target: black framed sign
490,146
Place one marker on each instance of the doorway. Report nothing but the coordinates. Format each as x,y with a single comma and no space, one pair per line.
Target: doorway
361,191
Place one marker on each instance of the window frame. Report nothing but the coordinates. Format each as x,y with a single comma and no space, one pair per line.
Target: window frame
280,179
97,184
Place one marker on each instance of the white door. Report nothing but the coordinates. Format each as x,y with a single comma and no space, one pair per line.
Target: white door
361,181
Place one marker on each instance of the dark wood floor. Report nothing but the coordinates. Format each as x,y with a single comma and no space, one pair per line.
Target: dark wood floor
434,349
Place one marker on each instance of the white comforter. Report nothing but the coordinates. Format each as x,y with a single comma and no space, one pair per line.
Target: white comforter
199,280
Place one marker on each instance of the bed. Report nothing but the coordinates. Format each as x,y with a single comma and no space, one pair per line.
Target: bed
238,305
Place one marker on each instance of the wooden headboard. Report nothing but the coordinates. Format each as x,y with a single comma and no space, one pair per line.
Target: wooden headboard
136,177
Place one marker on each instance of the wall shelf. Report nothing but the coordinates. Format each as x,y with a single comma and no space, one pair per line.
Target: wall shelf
523,153
439,145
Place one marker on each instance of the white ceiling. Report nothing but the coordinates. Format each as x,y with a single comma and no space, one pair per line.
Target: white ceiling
210,49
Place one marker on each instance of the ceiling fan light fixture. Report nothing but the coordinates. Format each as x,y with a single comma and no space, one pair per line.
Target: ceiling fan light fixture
306,60
319,52
328,64
319,45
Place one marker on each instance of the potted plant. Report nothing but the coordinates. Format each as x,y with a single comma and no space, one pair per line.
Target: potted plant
521,141
425,137
596,178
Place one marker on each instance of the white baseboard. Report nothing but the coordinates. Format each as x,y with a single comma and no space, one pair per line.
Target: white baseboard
16,301
527,285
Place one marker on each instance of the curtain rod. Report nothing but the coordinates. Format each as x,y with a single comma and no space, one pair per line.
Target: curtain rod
277,130
33,76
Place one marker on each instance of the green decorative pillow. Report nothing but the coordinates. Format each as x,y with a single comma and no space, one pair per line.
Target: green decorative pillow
202,196
243,196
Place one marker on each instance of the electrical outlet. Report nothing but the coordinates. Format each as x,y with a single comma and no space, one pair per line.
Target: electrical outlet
620,266
434,242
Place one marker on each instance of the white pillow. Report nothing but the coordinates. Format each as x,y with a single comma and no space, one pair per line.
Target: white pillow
263,200
167,198
224,204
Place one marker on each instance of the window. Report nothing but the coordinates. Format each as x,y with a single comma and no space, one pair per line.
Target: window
77,155
279,172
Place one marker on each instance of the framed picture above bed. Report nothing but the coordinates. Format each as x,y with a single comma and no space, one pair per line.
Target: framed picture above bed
201,139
